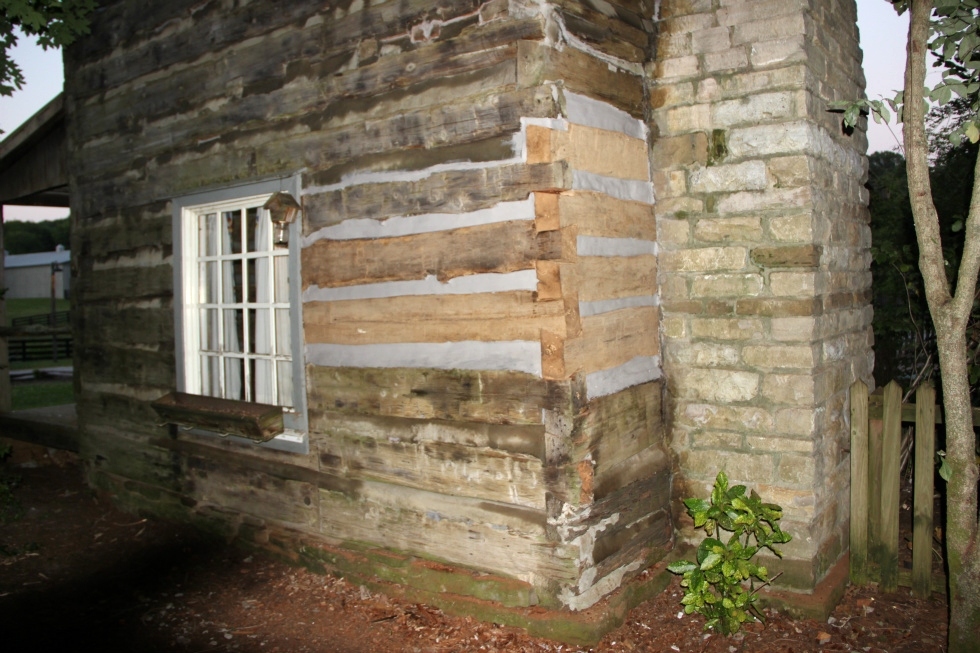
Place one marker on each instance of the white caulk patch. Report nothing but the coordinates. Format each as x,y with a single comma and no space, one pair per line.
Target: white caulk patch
601,246
636,190
633,372
465,285
583,110
511,355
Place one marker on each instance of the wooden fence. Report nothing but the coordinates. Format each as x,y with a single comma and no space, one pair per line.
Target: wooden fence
876,452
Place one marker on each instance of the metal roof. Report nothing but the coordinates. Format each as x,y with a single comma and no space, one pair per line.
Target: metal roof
36,259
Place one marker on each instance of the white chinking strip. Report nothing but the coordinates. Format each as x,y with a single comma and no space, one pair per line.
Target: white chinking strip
512,355
598,307
633,372
624,189
466,285
409,225
600,246
586,111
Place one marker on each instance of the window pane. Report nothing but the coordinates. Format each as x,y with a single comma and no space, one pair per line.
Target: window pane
234,378
253,230
209,329
283,336
210,376
264,389
233,232
209,282
281,264
261,331
233,330
285,378
208,230
252,280
231,292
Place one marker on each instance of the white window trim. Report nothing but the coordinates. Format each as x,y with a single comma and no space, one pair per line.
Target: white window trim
296,437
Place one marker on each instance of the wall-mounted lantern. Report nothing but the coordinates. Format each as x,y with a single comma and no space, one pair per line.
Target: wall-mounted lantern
283,209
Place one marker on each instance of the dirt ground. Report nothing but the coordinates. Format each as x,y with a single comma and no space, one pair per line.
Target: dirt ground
76,574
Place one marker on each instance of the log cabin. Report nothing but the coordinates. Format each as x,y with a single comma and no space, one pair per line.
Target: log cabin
460,298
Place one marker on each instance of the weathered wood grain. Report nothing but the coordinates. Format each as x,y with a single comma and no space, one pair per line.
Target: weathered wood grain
598,151
126,326
441,467
129,283
496,247
607,340
859,484
619,425
923,497
581,73
595,214
458,530
593,278
521,440
458,395
100,362
607,34
456,191
440,318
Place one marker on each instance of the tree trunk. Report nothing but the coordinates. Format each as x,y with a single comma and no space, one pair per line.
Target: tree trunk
949,315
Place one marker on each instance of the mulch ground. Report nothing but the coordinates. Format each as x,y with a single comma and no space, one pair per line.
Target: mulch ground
76,574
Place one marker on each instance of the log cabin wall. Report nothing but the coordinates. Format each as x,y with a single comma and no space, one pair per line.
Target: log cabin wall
478,289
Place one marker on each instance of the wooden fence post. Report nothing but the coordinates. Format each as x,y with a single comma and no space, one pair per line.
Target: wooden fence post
925,448
859,483
891,452
875,432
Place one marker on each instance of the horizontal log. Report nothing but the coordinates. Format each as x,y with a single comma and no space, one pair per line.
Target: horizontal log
125,283
599,151
595,278
258,422
496,247
442,318
454,191
619,425
596,214
609,34
440,467
582,73
607,340
426,394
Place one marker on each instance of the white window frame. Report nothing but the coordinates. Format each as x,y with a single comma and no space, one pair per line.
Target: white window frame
188,303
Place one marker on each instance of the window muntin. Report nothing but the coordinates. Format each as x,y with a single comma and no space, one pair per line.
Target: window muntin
237,301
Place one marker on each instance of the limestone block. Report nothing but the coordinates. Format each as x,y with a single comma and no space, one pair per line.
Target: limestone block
705,354
679,206
793,283
777,356
681,120
692,22
673,232
730,418
717,440
768,140
793,329
705,259
792,228
739,229
713,39
677,68
750,175
771,29
774,444
772,307
762,107
670,183
797,421
744,83
802,256
768,53
792,389
796,470
674,327
748,12
740,467
727,285
672,95
732,59
673,287
716,385
796,504
672,46
781,199
744,328
790,171
677,151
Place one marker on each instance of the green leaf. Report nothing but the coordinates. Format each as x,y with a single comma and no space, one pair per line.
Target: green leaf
711,561
681,567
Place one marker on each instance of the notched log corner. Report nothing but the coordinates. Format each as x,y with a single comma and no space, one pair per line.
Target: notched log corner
258,422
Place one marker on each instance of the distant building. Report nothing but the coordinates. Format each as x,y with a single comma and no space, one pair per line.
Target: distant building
29,275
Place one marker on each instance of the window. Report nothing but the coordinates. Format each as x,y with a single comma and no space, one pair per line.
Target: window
237,304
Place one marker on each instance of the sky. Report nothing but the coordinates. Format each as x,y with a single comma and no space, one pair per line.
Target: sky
883,35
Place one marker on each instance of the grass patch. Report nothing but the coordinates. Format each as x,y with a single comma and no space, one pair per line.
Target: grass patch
33,306
38,394
39,365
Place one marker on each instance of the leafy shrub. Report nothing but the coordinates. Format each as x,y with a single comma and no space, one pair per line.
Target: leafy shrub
715,583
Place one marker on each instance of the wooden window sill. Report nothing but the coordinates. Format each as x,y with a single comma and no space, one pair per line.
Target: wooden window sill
258,422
